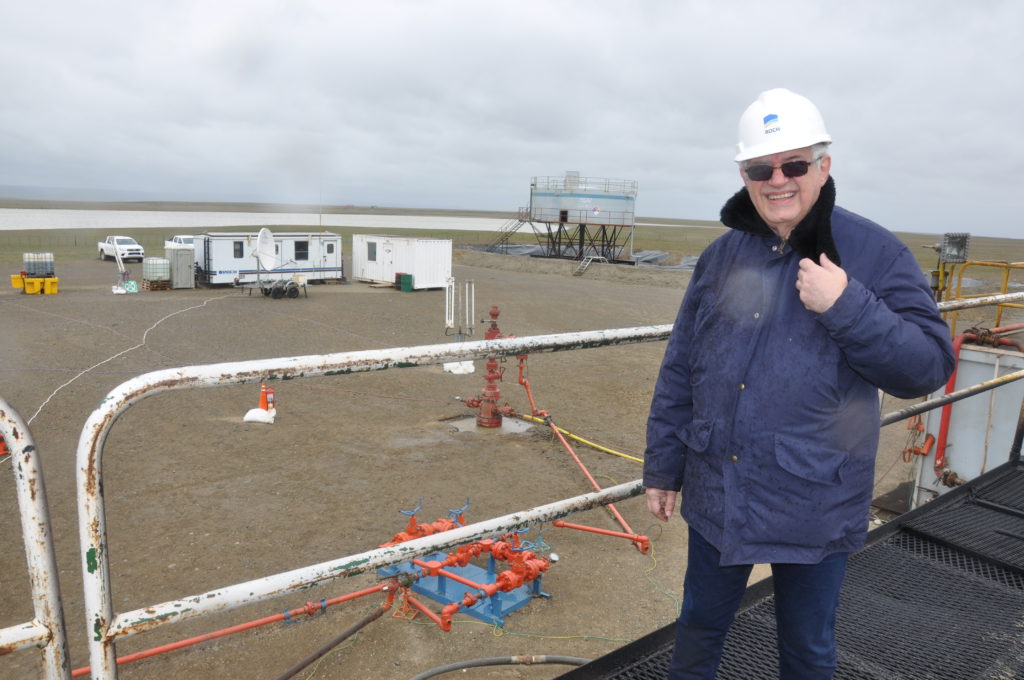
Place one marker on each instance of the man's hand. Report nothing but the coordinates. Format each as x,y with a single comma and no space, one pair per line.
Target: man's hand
820,286
661,503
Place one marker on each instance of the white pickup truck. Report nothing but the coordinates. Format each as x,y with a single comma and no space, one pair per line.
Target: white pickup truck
180,240
128,248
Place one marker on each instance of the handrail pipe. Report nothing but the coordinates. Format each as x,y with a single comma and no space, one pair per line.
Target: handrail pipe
47,630
104,627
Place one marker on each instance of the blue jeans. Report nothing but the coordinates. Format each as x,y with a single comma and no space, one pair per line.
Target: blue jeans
806,597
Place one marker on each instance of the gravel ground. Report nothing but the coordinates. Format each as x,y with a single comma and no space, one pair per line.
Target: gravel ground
198,499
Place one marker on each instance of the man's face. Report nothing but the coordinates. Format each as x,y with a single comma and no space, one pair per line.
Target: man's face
783,201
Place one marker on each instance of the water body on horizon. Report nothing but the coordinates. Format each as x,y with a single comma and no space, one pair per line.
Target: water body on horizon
188,222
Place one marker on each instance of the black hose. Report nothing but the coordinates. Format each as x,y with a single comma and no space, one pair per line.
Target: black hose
372,616
501,661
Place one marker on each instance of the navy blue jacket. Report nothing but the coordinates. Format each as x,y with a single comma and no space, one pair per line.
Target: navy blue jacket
765,414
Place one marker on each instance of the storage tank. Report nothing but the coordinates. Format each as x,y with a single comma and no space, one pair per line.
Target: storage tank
156,269
582,200
37,265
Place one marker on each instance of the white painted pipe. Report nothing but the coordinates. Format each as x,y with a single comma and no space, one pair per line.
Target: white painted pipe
47,630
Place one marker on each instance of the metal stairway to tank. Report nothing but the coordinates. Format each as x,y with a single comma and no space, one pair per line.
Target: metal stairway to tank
585,262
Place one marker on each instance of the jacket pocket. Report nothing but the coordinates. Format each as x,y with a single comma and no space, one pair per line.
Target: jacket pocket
810,460
696,434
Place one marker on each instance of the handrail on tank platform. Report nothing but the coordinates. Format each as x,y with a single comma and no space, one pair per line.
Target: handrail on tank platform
47,630
1007,268
104,626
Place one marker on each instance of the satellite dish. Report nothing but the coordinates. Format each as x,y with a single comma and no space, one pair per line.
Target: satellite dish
266,253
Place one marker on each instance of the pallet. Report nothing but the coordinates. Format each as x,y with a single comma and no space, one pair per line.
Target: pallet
155,285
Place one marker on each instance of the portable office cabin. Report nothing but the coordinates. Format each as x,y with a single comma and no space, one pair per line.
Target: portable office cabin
230,258
378,259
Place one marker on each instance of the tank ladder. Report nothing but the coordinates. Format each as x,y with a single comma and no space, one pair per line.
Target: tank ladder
500,244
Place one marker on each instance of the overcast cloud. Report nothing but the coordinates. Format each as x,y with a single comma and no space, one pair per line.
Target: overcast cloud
458,103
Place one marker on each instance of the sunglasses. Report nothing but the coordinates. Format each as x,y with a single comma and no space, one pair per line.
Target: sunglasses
762,172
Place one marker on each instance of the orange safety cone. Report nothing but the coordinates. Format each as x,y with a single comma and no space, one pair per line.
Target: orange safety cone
266,412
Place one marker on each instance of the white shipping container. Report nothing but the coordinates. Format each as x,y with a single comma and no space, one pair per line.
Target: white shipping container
377,259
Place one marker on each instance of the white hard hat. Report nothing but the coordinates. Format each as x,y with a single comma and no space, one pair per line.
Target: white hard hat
779,120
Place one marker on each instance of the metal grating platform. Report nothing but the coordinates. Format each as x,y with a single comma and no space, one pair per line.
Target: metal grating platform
988,521
937,595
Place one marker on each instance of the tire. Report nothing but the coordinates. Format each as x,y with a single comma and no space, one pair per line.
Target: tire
292,291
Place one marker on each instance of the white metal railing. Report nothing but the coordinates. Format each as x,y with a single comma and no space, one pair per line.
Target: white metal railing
105,626
581,216
572,183
46,631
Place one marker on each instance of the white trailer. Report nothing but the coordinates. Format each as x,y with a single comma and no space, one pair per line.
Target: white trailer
378,259
230,258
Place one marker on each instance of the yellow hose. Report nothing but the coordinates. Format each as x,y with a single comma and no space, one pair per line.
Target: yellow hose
582,440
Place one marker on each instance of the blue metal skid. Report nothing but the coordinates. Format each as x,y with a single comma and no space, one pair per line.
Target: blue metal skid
491,610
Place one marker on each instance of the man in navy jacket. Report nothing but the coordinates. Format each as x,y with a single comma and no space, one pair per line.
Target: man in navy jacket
765,414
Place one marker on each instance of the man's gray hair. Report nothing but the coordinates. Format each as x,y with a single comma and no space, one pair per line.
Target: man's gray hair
818,151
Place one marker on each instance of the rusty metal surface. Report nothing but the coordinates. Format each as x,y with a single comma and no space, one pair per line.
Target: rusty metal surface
105,627
23,636
1005,298
47,630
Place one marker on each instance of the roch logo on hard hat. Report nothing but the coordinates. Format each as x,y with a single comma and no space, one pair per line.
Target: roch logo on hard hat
779,120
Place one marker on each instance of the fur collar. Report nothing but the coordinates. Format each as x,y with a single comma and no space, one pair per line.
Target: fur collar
810,238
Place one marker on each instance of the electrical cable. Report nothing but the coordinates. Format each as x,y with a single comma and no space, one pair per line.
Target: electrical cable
108,359
527,660
591,444
141,344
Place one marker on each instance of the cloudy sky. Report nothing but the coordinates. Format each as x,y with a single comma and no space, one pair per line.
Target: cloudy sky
458,103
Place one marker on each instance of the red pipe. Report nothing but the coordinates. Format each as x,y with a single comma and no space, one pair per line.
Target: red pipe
434,569
547,418
310,608
426,610
526,383
414,530
611,507
642,543
958,341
